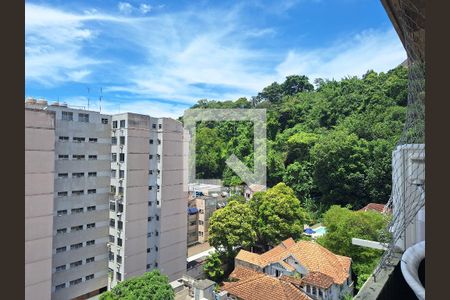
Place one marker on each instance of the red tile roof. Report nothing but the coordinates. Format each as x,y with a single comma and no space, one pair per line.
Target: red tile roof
378,207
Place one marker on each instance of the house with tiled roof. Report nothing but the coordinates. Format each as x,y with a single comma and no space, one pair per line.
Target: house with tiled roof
318,272
377,207
252,189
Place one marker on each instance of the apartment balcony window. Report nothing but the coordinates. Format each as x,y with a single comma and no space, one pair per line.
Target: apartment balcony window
200,233
157,218
159,142
77,139
112,206
63,156
76,264
148,250
111,238
92,157
120,207
63,175
63,138
112,223
150,187
93,140
113,190
158,157
90,260
60,286
61,212
122,123
76,210
150,172
156,248
78,193
157,201
119,259
89,277
67,116
83,118
61,231
120,190
149,234
77,175
111,256
154,126
149,219
113,156
92,191
61,249
159,126
148,266
76,228
76,246
122,157
75,282
149,203
104,121
62,194
92,174
119,242
151,141
121,174
114,124
122,140
113,173
78,156
150,156
314,290
90,243
119,225
156,264
60,268
114,140
91,208
118,276
200,222
158,172
90,225
156,233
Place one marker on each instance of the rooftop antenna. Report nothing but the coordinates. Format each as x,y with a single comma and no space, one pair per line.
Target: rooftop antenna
88,90
100,99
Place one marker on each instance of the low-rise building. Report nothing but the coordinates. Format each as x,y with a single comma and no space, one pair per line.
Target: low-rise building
252,189
322,274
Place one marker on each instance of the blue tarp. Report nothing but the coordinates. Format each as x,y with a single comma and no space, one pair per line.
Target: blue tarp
192,210
309,231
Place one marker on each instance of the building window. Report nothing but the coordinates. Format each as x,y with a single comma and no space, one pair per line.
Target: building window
63,156
76,210
150,156
77,175
61,230
111,238
150,233
61,212
63,138
91,208
76,264
119,259
76,228
154,126
156,264
92,191
156,248
159,142
90,259
157,217
112,206
119,242
75,282
200,222
118,276
93,140
120,190
83,118
122,157
112,223
119,225
89,277
63,175
92,174
67,116
114,124
200,233
159,126
120,208
148,250
151,141
78,139
308,289
90,243
156,233
90,225
150,172
122,140
320,293
114,156
314,290
122,123
104,121
60,268
60,286
111,256
113,189
114,140
78,193
148,266
150,187
61,249
149,203
78,156
157,201
92,157
113,173
76,246
121,173
149,219
158,157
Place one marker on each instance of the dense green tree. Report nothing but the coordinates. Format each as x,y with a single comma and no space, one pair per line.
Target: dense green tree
213,267
150,286
295,84
298,176
344,224
231,228
279,215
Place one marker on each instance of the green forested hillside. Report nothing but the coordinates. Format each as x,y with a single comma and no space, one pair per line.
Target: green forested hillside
330,143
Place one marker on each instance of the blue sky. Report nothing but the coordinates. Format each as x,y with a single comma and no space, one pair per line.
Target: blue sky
160,57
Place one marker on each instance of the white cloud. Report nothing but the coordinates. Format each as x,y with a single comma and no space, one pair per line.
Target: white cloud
377,50
125,7
145,8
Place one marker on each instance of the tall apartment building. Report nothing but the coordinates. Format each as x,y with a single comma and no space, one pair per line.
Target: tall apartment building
39,177
81,180
148,204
